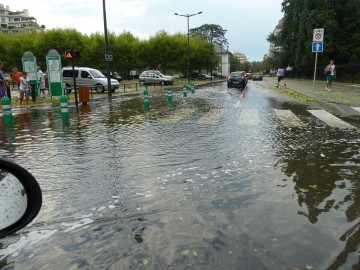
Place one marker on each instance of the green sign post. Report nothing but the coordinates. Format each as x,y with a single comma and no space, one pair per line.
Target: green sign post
29,65
53,63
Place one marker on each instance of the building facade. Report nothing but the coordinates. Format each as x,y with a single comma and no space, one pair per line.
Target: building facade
224,60
17,21
241,56
275,47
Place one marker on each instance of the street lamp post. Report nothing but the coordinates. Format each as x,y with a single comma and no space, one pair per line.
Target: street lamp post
106,50
188,37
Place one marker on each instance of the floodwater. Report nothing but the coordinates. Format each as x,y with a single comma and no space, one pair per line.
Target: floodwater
214,181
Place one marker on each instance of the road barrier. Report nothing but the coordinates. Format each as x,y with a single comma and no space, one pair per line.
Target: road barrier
146,100
170,95
64,109
6,110
192,87
184,90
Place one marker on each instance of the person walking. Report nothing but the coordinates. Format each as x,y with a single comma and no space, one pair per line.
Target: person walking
41,81
24,89
15,76
2,82
280,74
330,72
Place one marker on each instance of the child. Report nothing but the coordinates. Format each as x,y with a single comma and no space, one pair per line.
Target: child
24,89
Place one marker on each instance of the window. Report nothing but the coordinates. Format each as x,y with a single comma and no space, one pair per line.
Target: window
69,73
84,74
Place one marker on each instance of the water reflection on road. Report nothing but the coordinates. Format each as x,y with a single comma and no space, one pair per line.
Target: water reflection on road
213,181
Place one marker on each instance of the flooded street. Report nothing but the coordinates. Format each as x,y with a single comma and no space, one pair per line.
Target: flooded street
218,180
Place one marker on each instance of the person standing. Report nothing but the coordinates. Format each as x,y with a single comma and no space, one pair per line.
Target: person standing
41,81
24,89
330,72
15,76
2,82
280,74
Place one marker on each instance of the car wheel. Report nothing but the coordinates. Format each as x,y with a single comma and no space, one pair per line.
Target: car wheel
142,83
113,91
99,88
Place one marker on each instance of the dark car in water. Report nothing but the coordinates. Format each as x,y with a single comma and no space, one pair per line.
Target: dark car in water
237,79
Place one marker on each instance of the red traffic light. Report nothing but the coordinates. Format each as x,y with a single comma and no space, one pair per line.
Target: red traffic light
70,54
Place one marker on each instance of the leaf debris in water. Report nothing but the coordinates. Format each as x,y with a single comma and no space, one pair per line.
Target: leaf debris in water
146,262
185,252
309,267
304,190
313,186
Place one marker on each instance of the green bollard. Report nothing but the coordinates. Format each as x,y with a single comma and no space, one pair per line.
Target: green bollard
184,90
146,100
6,110
64,109
170,96
192,87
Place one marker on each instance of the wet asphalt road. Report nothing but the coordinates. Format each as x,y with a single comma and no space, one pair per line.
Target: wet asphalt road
223,179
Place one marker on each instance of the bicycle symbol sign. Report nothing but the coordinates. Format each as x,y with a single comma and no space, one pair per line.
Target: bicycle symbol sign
318,34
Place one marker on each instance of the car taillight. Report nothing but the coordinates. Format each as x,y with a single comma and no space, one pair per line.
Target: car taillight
229,78
243,77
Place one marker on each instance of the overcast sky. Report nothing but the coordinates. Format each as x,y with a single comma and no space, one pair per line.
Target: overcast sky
248,21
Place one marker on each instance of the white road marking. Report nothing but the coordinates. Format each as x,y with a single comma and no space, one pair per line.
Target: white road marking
178,116
211,117
249,117
288,118
330,119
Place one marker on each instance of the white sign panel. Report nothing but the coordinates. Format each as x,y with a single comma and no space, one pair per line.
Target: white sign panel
318,34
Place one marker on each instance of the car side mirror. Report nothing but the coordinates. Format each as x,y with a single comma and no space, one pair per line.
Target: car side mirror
20,197
89,77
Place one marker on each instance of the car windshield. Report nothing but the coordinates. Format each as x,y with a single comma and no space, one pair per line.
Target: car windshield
235,74
96,74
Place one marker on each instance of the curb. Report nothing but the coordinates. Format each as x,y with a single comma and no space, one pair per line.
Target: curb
336,108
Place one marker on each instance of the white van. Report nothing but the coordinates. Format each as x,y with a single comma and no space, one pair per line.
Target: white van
88,77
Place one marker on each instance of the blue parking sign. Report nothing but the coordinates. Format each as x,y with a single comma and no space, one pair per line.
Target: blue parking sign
317,46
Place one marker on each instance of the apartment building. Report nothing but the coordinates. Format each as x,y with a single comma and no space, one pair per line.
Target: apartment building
17,21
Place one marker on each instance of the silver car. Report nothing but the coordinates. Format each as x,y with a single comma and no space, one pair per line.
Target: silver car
155,77
88,77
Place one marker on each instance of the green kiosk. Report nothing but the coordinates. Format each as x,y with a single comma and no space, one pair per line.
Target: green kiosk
54,71
29,65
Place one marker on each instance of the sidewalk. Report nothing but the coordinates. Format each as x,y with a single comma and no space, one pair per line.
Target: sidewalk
342,97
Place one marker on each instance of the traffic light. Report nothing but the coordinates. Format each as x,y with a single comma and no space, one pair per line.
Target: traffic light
76,54
70,54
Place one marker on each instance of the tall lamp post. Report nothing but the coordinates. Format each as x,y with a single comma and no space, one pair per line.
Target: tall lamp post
188,38
106,49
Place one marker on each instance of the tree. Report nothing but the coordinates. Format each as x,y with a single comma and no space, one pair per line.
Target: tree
341,21
211,32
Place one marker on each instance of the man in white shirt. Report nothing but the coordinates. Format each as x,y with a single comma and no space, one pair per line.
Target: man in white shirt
280,74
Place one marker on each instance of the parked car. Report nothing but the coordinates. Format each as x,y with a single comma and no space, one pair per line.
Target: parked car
237,79
200,76
87,77
257,77
179,75
155,78
173,78
116,76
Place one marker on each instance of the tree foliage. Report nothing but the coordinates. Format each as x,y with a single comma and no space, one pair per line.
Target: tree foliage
211,32
339,18
129,52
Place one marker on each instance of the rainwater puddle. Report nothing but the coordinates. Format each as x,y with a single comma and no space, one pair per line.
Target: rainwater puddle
213,181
